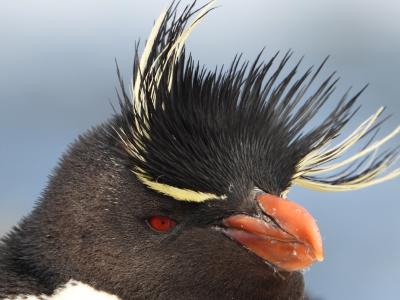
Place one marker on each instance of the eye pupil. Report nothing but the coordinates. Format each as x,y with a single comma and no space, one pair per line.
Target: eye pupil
161,223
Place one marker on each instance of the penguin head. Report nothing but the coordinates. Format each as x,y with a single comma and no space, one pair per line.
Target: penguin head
184,191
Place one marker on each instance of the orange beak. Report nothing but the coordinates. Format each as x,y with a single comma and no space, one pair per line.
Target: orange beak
287,236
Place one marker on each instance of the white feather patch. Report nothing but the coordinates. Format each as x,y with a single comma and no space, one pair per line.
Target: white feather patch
73,290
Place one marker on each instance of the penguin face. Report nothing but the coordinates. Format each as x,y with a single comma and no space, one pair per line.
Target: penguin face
108,240
182,194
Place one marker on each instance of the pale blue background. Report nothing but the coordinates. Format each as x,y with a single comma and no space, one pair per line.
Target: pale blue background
57,77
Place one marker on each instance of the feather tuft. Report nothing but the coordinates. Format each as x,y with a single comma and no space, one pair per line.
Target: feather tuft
197,135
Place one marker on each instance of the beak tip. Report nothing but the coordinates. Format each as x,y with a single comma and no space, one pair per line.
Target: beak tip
320,257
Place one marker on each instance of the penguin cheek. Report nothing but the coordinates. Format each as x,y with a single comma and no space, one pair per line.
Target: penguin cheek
161,224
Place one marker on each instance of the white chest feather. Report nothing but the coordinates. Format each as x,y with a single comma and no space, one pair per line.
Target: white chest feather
73,290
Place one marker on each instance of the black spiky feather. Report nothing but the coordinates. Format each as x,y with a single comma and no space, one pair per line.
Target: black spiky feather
212,131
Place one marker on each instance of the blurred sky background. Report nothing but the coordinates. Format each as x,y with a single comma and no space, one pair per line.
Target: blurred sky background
57,78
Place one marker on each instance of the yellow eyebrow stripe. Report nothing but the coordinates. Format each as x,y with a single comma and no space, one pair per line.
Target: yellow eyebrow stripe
179,193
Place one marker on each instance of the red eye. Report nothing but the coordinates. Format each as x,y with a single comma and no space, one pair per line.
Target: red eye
161,223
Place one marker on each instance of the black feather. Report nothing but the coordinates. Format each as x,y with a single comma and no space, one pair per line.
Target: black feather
210,131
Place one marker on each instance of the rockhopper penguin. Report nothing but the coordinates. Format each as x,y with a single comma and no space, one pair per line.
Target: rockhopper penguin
182,194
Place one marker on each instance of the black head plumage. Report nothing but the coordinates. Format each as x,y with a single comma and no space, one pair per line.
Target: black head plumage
240,126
